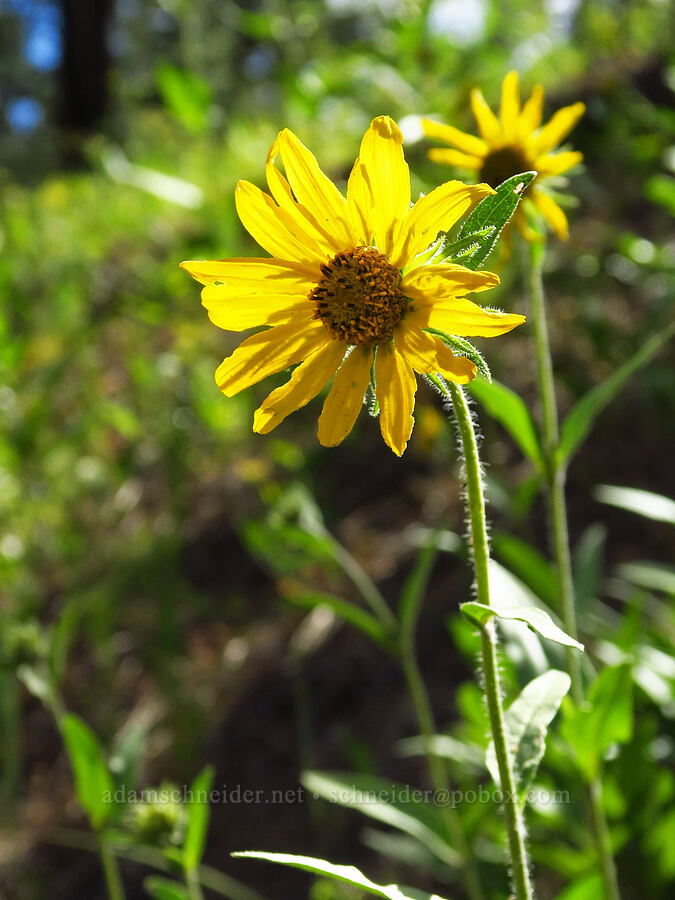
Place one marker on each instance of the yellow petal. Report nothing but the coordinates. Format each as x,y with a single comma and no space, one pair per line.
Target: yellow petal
387,174
314,190
343,403
244,275
272,227
445,281
467,143
395,386
510,105
560,125
307,380
326,238
426,353
557,163
487,121
258,309
454,158
462,318
268,352
530,116
360,202
437,211
552,213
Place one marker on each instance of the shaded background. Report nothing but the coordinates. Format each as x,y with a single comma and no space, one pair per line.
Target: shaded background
132,493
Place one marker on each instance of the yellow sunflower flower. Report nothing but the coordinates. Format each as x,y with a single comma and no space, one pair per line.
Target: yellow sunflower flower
512,143
342,291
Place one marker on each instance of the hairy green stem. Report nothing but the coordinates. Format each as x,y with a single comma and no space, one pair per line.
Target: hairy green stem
438,772
111,872
515,826
557,511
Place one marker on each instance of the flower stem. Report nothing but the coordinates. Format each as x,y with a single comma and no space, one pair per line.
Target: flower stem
515,827
111,872
437,770
555,485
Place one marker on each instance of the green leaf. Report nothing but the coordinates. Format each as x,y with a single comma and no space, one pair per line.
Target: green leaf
286,547
466,245
527,720
346,874
650,575
589,887
495,210
197,823
644,503
462,347
607,718
588,564
397,805
579,422
347,611
661,189
37,680
410,601
93,783
535,618
446,747
163,889
508,409
529,565
186,95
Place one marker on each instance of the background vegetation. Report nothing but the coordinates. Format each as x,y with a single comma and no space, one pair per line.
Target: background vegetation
151,546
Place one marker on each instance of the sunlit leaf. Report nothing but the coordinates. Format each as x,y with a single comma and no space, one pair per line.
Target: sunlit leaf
495,210
527,720
346,874
534,618
398,805
644,503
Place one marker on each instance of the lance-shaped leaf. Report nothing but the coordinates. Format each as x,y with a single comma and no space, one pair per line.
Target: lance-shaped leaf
607,718
397,805
535,618
344,609
492,212
197,824
508,409
644,503
457,250
580,420
93,782
346,874
526,721
163,889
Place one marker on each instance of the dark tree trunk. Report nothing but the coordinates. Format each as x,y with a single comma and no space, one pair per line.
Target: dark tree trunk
84,70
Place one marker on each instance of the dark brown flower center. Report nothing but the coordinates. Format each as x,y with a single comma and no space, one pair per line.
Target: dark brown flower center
502,164
358,296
